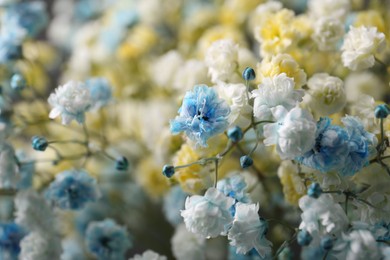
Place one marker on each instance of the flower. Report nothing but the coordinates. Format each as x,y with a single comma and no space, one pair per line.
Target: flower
72,189
293,133
164,69
149,255
359,47
359,245
221,59
293,186
208,215
186,245
100,92
40,245
248,230
202,115
10,236
326,94
106,240
173,203
190,73
329,8
234,187
272,92
327,33
70,101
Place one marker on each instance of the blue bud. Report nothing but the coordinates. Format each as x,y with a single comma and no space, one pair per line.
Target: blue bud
121,163
18,82
246,161
39,143
314,190
168,171
249,74
235,134
382,111
304,238
326,243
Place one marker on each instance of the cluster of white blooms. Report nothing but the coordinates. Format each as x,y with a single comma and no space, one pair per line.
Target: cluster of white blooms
222,60
327,33
325,94
293,132
272,92
192,72
149,255
360,46
337,9
186,245
164,69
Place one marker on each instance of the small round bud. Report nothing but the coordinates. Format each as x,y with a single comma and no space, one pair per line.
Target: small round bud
246,161
39,143
304,238
382,111
314,190
248,74
168,171
18,82
235,134
326,243
121,164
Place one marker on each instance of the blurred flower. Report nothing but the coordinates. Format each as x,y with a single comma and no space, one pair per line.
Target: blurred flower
100,92
72,189
149,255
202,115
172,205
359,47
359,245
273,92
329,8
293,186
10,236
8,175
41,245
186,245
208,215
106,240
234,187
327,33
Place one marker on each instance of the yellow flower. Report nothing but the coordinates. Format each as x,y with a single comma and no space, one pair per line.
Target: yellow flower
235,12
293,186
276,33
370,18
140,40
281,63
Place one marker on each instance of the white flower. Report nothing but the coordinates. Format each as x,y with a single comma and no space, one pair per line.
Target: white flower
8,174
70,101
186,245
33,213
164,69
221,59
248,230
359,47
364,82
327,33
189,74
149,255
364,107
337,9
326,94
322,216
272,92
235,96
40,245
208,215
293,133
359,245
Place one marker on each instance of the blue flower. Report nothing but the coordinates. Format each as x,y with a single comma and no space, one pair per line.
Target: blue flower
106,240
202,115
173,203
10,49
72,190
10,236
100,92
234,187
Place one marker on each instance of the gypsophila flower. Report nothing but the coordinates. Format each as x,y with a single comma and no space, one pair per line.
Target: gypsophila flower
337,9
360,45
325,94
221,59
149,255
202,115
293,133
70,101
100,92
186,245
248,230
208,215
10,236
173,203
72,189
327,33
107,241
272,92
40,245
234,187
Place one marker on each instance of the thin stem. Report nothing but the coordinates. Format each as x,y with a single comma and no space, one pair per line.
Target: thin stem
216,173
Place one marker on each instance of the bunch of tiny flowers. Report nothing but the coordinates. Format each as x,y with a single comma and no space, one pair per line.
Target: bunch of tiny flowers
202,115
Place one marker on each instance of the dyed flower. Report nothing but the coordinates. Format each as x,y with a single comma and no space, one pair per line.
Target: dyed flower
221,59
72,189
149,255
100,92
248,230
272,92
10,236
293,133
208,215
326,94
106,240
359,47
234,187
202,115
70,101
327,33
187,246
